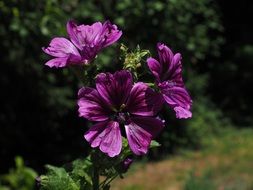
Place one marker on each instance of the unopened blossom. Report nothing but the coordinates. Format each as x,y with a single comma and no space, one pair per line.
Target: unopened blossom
84,43
118,105
126,164
168,74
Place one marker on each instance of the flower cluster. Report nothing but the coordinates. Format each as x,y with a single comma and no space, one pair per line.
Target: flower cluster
117,104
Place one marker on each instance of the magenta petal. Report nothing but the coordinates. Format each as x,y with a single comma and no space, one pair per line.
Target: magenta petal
85,36
165,55
94,131
112,140
90,39
150,124
61,47
74,34
168,68
107,136
57,62
177,96
138,138
111,33
144,101
90,105
174,72
92,34
182,113
114,88
154,67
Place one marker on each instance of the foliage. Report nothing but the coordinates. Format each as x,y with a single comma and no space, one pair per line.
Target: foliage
235,86
81,173
22,177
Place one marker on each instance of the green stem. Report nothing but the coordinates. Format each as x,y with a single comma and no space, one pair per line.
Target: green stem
95,179
110,180
107,181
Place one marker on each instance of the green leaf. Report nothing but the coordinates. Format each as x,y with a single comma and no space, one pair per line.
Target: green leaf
58,179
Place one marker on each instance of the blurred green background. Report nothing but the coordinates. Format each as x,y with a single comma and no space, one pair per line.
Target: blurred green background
39,119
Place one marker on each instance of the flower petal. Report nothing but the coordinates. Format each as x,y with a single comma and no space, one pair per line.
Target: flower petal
182,113
112,141
114,88
57,62
91,105
85,35
74,34
143,100
174,73
91,33
138,138
94,131
165,55
150,124
61,47
176,96
111,33
154,67
107,136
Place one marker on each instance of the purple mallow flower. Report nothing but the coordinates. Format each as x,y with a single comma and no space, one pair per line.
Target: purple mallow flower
84,44
168,75
119,105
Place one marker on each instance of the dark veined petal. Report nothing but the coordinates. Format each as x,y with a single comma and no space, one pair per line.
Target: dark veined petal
165,55
106,136
114,88
152,125
174,73
138,139
110,33
143,100
61,47
91,106
176,96
169,66
155,67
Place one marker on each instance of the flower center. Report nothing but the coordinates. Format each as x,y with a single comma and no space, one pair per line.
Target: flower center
121,115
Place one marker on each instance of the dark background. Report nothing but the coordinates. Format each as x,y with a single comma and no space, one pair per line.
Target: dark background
38,117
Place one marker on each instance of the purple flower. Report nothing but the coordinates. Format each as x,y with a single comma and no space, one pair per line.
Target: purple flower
85,43
119,105
168,75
